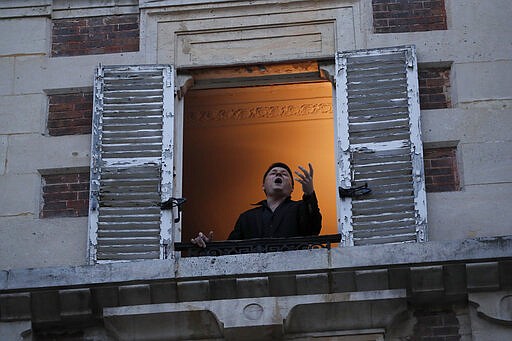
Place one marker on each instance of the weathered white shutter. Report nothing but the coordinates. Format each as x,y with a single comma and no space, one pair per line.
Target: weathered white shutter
379,143
131,163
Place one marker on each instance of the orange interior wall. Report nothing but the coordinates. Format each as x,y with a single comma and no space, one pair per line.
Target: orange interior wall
224,165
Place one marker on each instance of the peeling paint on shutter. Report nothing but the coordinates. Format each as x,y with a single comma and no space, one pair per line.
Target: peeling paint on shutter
131,163
379,143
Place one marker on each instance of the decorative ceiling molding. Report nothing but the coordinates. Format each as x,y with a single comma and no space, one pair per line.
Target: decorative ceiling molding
258,114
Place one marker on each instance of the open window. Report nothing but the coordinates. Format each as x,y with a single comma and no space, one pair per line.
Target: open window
370,140
238,121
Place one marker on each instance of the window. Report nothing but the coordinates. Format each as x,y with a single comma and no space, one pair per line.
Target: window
232,134
377,145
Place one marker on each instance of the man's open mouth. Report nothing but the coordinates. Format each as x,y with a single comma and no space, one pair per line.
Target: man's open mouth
278,181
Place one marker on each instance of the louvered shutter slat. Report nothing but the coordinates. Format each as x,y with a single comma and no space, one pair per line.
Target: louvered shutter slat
378,121
132,106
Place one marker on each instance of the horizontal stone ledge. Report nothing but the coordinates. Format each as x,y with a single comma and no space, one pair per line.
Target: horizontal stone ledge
450,282
247,265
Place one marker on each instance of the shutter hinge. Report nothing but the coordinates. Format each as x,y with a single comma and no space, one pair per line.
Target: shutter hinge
171,203
354,192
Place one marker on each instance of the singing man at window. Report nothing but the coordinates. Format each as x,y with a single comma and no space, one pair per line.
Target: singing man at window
278,215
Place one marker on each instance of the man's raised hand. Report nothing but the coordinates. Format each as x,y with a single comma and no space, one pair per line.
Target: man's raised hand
306,179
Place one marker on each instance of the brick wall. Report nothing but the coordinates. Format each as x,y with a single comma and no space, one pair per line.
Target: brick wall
394,16
95,35
441,173
65,195
69,114
434,89
436,326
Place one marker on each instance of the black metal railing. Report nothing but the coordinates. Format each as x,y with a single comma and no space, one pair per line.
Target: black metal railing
257,245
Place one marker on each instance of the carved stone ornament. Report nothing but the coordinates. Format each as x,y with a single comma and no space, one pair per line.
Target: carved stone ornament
493,306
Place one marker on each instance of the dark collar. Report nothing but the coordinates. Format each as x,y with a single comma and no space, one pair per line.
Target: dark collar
264,202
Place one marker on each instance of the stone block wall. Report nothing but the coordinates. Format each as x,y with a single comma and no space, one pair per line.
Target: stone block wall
468,103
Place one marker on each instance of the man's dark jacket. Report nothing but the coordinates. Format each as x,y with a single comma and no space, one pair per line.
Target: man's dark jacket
290,219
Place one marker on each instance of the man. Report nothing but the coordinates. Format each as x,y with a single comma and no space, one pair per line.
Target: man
278,215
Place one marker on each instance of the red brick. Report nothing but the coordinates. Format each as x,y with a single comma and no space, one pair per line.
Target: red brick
62,123
60,196
408,16
56,188
441,173
70,114
434,83
72,37
58,213
441,162
77,204
55,206
65,195
444,180
69,131
60,178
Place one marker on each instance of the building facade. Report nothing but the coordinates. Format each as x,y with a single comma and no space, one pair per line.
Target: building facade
109,108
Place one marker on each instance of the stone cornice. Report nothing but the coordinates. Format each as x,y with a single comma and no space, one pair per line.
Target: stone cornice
443,283
468,251
441,272
21,8
66,8
428,272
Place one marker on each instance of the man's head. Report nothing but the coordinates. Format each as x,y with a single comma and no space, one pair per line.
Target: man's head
278,179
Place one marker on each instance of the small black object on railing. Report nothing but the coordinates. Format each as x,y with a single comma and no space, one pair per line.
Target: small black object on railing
257,245
171,203
354,192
